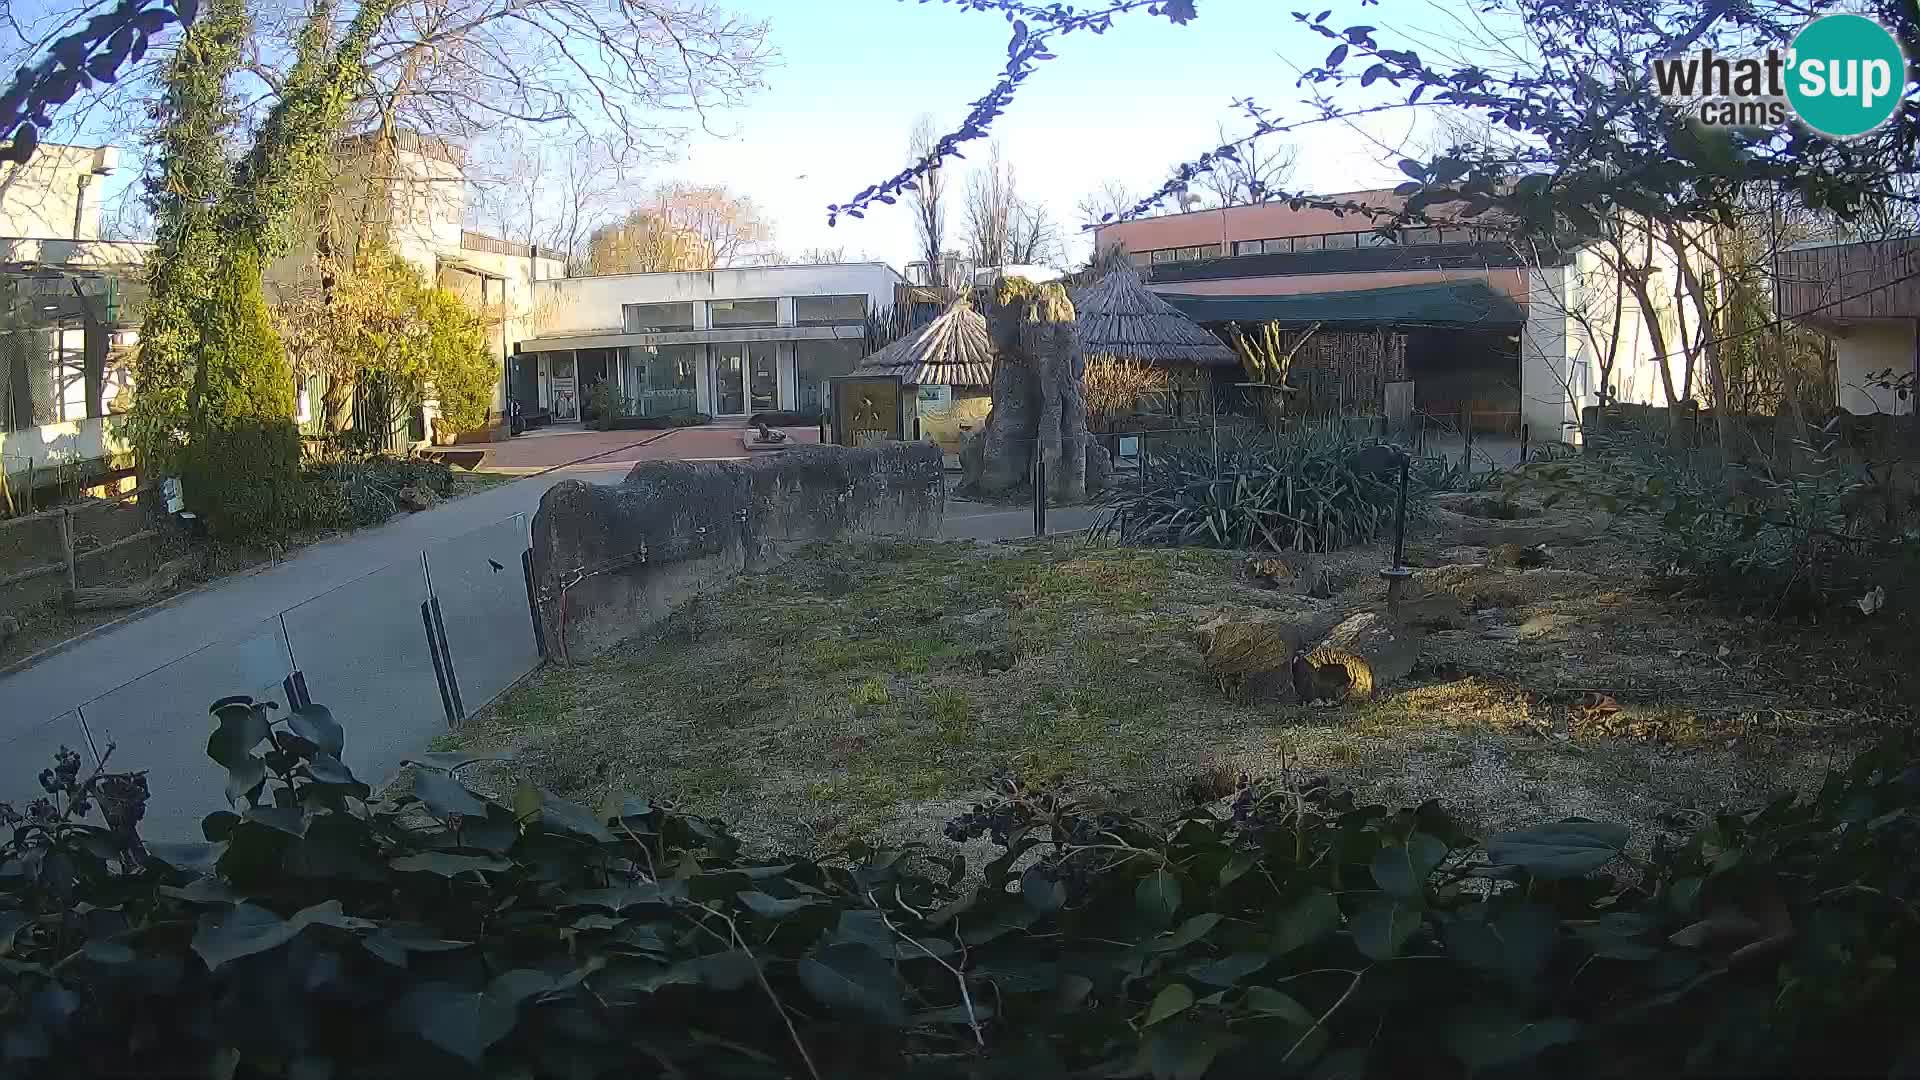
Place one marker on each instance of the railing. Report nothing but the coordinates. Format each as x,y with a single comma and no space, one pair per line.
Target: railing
398,655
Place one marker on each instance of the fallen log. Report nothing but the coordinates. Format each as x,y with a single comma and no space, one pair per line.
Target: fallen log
97,597
1361,655
1252,653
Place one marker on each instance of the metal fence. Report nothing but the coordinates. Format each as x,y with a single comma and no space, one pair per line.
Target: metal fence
398,655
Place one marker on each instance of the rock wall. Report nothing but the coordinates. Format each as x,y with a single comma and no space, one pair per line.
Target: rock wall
612,561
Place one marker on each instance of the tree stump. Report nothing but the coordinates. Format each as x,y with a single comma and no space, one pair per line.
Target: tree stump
1252,655
1367,651
1039,402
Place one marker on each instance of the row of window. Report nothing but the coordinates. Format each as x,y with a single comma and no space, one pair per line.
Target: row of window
1323,242
658,380
735,314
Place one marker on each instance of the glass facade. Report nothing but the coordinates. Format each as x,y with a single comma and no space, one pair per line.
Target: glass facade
820,310
660,378
725,313
763,376
657,318
814,362
730,378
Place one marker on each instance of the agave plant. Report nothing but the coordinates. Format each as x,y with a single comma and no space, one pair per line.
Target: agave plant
1297,493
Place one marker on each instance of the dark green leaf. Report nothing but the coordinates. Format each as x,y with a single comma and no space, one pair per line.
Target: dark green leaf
1180,1052
287,819
622,897
1172,1000
190,856
1402,871
854,978
448,762
1189,932
1485,1036
1041,891
1158,897
446,865
244,930
728,970
392,943
201,890
953,1014
865,926
328,913
1383,927
1073,990
1311,918
316,724
237,730
465,1022
10,923
1348,1064
1228,970
559,815
246,775
1562,850
443,796
768,907
1271,1002
327,769
1514,945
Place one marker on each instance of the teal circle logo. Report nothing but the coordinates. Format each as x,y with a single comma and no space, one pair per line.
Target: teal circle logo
1846,75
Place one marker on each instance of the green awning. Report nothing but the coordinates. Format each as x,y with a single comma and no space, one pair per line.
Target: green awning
1447,303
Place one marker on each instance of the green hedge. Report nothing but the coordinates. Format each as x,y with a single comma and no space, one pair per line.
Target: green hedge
315,933
244,478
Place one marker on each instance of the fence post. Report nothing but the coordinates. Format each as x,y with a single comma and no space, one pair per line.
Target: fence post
1039,491
533,602
1466,434
1523,444
66,548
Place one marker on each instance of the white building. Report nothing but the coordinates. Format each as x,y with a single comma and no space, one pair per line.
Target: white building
722,342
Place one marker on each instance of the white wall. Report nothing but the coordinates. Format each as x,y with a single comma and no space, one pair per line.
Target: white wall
41,197
1870,347
52,445
583,305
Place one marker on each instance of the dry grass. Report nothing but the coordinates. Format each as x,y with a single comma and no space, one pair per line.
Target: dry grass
845,694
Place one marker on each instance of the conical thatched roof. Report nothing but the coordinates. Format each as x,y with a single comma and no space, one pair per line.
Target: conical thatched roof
951,350
1120,317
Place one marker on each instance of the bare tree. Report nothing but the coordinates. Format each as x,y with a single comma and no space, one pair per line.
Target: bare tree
929,208
990,199
1032,237
1257,174
1103,204
820,256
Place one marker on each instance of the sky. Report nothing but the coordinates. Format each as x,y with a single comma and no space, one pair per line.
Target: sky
1126,106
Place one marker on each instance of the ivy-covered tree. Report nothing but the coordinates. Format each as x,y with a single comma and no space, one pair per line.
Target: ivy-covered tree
190,173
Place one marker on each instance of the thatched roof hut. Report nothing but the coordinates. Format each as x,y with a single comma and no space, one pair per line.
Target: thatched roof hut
952,350
1120,317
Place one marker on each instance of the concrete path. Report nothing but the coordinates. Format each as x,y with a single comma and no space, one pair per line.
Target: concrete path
351,624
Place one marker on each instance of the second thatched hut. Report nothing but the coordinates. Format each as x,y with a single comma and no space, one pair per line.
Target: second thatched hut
1123,322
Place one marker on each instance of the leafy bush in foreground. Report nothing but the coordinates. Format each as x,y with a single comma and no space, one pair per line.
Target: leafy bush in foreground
1294,493
316,934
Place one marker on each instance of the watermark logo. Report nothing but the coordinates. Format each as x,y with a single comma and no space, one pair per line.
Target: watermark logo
1843,76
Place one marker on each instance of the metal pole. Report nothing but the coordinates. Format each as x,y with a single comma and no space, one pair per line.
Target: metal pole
1466,435
1523,444
1039,491
1400,518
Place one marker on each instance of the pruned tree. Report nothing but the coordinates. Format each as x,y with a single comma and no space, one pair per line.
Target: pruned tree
1257,173
929,204
1002,229
1103,204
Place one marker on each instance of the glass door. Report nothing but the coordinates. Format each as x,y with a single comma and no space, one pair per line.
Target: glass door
566,396
763,376
729,379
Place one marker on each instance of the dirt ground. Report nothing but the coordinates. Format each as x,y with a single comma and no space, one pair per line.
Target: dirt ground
868,690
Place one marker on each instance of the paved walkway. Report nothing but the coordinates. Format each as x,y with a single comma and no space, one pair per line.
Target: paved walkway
352,625
545,449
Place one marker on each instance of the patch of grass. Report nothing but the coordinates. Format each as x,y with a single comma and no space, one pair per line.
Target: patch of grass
954,715
871,691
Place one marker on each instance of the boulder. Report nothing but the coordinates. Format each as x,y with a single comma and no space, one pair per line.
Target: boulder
1479,532
1365,653
9,626
973,458
415,497
1514,556
1433,611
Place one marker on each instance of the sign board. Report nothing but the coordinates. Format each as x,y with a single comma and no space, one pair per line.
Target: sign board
866,408
1129,448
176,499
935,397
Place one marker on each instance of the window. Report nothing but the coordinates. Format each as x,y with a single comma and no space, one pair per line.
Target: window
763,376
655,318
724,313
1342,240
814,362
1308,243
1209,251
1189,254
1247,247
1282,246
1374,239
818,310
1423,236
1140,258
1166,255
659,378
